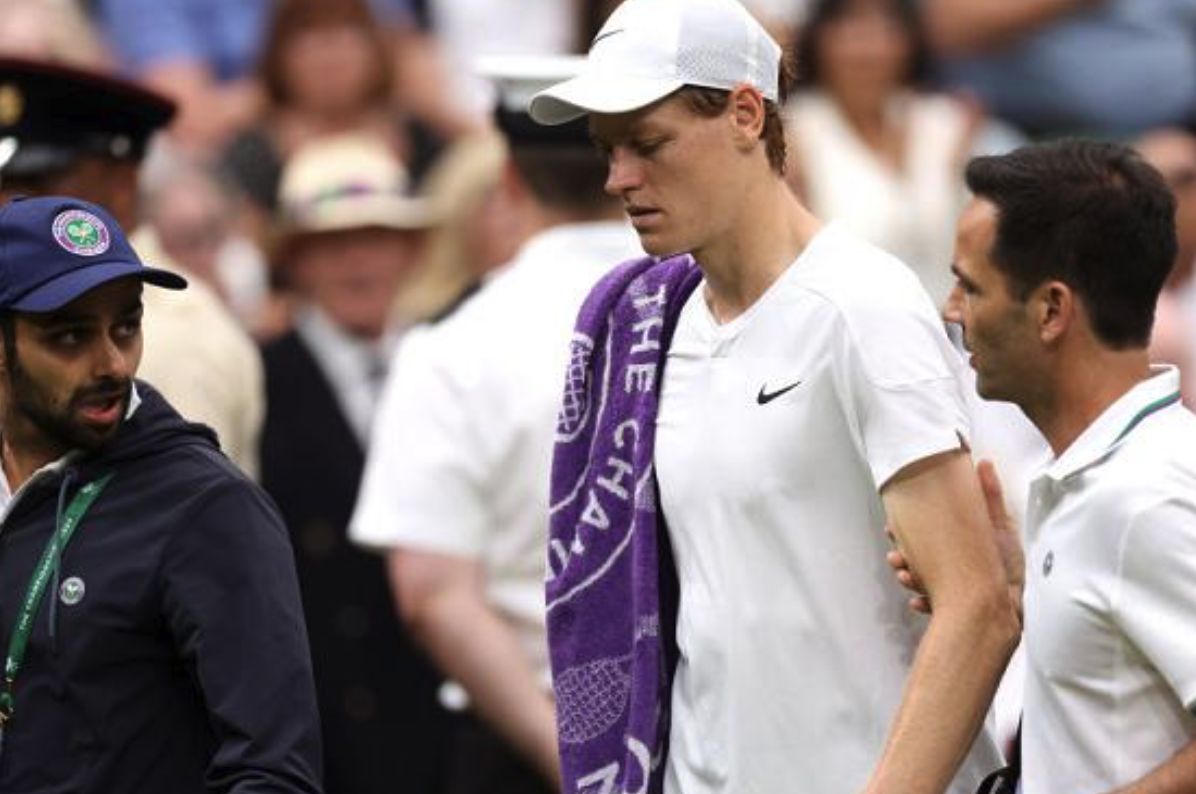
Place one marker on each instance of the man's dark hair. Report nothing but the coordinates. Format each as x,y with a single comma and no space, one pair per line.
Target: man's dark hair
1093,215
565,178
8,328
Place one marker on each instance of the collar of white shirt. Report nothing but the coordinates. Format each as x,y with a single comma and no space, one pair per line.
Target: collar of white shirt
1116,423
348,363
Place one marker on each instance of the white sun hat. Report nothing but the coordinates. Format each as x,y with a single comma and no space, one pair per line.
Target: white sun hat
650,48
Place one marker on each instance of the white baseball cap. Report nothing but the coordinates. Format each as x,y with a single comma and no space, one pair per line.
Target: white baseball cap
650,48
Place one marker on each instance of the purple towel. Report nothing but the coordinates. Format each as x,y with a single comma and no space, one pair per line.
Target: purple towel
611,585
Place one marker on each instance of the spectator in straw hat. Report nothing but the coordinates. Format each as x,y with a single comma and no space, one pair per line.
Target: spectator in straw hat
350,238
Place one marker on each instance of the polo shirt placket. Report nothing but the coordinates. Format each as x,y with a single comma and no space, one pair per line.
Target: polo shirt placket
1103,705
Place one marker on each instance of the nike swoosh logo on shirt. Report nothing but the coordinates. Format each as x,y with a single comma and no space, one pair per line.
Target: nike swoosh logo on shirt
605,35
765,397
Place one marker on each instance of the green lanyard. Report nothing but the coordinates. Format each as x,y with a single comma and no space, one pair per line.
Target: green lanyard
37,588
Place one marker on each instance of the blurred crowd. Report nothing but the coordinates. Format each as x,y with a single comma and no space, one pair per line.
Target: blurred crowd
330,175
893,97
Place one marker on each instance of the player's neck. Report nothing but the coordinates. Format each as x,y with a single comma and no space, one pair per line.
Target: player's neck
768,233
1085,387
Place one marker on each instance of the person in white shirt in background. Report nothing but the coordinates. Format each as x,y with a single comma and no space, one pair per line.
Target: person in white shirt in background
456,486
875,147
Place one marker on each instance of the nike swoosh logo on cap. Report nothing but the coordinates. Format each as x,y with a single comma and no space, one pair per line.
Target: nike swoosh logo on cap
605,35
765,397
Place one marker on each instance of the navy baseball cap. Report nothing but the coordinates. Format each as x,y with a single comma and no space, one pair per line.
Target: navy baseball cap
53,249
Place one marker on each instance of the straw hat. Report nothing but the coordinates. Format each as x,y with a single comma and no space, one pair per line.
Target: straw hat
348,182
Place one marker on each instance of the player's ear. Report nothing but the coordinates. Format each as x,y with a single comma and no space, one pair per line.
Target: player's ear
747,112
1056,306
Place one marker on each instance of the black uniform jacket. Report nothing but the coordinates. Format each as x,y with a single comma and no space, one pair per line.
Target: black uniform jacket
384,729
169,654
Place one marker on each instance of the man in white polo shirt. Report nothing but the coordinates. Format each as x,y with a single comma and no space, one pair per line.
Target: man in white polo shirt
808,393
1060,258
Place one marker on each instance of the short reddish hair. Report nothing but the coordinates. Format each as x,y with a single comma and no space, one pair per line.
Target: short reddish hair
292,17
710,102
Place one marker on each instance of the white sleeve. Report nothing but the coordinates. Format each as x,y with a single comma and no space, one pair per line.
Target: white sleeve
421,485
1155,604
905,397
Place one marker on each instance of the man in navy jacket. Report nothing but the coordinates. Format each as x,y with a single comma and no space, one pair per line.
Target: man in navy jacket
150,622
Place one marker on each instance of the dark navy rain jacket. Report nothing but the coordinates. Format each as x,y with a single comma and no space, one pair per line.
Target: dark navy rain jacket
176,661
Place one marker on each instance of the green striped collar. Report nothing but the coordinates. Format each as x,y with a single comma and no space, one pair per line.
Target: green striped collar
1146,411
1118,422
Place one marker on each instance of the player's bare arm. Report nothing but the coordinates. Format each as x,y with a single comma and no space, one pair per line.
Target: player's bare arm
1005,533
936,513
442,600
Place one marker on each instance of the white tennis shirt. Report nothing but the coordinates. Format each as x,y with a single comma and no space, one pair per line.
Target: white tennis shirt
775,434
462,445
1110,632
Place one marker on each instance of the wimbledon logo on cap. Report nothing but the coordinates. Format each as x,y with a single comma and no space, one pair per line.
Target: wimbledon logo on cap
81,233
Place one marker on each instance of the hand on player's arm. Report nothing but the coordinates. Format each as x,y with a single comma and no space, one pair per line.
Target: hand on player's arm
442,600
936,512
1176,775
1009,545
